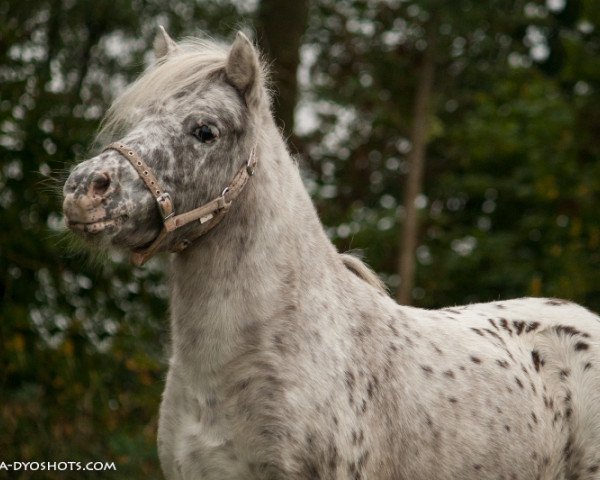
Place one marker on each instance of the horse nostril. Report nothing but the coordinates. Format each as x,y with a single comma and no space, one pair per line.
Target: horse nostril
100,183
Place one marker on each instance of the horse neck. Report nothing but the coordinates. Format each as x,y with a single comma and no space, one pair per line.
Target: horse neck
250,266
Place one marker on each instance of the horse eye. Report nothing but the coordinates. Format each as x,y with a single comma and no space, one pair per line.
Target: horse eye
205,133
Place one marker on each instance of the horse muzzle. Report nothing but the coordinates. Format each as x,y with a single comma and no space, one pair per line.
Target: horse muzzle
87,201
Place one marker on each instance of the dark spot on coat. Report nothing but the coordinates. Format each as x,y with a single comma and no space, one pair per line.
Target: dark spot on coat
393,329
333,455
387,368
350,380
587,366
475,359
507,428
452,400
241,385
361,332
504,325
533,389
564,373
477,331
449,373
581,346
568,449
502,363
428,420
494,334
362,460
279,344
428,370
370,389
310,470
519,382
531,326
535,356
519,326
556,417
569,330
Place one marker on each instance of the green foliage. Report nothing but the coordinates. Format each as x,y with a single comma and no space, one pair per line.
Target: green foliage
513,173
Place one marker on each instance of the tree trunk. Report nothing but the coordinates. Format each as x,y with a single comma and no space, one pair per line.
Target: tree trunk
414,179
280,29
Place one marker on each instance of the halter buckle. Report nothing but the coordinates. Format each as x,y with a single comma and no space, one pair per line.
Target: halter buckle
165,205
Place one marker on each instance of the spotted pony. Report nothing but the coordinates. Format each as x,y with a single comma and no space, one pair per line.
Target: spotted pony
288,360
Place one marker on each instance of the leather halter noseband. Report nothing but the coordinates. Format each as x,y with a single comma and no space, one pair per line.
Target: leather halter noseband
208,215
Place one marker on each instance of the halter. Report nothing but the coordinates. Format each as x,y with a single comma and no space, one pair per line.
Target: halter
208,215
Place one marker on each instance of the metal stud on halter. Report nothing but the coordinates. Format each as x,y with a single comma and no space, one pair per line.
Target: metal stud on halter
208,215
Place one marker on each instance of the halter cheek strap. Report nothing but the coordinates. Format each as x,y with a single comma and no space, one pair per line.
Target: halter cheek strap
208,215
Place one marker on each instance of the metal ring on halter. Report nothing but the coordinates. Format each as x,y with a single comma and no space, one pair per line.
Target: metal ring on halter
226,203
250,168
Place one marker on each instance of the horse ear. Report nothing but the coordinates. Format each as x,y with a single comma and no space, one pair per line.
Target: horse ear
163,44
243,69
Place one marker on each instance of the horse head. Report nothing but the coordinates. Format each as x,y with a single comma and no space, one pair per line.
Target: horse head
183,138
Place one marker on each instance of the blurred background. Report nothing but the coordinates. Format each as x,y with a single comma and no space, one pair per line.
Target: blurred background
456,145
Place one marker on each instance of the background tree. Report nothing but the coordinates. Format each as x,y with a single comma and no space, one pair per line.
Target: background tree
280,27
415,161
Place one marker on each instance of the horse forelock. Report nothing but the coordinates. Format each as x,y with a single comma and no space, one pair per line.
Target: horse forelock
178,72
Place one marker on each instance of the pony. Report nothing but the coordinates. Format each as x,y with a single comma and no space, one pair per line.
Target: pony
289,360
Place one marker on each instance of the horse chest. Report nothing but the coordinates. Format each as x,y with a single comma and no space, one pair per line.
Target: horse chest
203,441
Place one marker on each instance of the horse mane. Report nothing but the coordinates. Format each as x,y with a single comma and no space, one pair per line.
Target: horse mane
358,268
184,67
